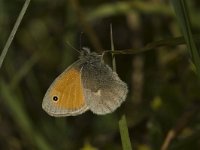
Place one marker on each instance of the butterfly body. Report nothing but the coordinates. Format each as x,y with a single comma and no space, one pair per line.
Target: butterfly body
87,84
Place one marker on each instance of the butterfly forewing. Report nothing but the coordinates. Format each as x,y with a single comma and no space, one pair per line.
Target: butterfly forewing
65,96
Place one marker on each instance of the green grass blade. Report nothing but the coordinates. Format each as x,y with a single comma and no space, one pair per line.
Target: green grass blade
24,70
21,118
112,49
183,20
123,128
172,41
126,143
13,32
124,7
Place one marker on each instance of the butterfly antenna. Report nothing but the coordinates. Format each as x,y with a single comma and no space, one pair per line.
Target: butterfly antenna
73,47
81,35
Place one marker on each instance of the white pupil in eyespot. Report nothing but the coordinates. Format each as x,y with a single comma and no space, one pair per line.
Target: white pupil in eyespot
55,98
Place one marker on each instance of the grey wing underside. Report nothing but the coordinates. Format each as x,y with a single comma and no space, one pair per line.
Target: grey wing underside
103,88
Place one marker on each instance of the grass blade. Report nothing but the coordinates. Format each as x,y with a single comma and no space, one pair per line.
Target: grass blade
184,22
13,32
123,128
21,118
112,49
126,143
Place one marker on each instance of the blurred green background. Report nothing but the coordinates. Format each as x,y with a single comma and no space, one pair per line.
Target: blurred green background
163,86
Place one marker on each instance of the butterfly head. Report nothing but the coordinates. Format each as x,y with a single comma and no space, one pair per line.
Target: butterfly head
87,55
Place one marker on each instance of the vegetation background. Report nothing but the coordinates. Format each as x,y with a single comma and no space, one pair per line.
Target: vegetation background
162,107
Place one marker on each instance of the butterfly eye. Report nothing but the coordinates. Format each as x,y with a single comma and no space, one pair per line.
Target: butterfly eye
55,98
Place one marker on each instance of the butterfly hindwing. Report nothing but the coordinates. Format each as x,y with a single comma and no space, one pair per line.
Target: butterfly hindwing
104,89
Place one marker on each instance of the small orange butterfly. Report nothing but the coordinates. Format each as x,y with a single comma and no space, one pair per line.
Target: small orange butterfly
86,84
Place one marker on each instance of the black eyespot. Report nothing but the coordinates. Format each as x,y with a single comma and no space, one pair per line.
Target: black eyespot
55,98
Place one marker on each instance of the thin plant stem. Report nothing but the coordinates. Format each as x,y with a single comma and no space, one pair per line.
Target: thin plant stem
126,143
112,49
13,32
123,128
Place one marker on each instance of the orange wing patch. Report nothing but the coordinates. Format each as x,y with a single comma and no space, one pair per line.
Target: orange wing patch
68,88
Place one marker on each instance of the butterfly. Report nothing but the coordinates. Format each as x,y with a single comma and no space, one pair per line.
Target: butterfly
87,84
